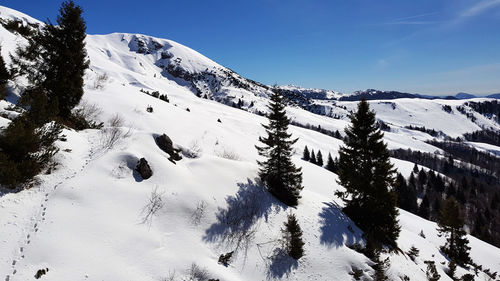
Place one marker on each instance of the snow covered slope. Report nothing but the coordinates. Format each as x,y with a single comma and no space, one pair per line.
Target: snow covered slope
87,220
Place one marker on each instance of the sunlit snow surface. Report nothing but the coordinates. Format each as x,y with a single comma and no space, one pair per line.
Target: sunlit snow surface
84,221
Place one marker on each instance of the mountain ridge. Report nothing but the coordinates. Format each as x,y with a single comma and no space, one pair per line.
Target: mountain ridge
91,225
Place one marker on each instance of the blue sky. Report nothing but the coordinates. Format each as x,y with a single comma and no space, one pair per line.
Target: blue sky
436,47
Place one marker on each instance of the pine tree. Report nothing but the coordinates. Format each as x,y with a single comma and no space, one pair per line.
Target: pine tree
413,253
319,159
330,164
412,184
312,157
40,110
452,269
432,273
451,225
424,208
55,59
306,154
451,191
407,196
25,150
292,236
366,173
435,210
278,172
380,267
495,201
4,77
422,179
415,169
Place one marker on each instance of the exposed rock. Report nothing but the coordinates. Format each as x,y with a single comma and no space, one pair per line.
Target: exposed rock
166,55
144,45
41,272
166,144
143,169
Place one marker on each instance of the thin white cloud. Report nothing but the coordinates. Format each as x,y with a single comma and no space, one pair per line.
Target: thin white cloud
412,20
473,11
479,8
415,17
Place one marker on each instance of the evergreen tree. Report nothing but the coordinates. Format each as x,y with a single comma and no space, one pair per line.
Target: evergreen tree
435,210
55,59
319,159
415,169
292,236
366,173
452,270
25,150
330,164
380,267
432,273
451,191
306,154
413,253
312,157
407,196
40,110
495,201
412,185
464,185
424,208
337,135
278,172
451,225
4,77
422,179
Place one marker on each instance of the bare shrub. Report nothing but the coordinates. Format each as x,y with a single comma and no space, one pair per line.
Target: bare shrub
85,116
89,111
193,151
199,213
197,273
122,171
227,153
109,137
100,80
153,205
116,120
170,277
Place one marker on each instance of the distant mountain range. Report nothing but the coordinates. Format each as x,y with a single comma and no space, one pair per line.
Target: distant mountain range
372,94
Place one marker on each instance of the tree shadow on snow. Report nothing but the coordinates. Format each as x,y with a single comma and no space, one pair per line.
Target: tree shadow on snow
336,227
4,191
236,224
281,265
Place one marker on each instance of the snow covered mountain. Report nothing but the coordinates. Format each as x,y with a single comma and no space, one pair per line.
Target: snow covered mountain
89,219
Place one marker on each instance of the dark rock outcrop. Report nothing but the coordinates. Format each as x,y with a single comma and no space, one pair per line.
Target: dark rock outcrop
41,272
166,144
143,169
